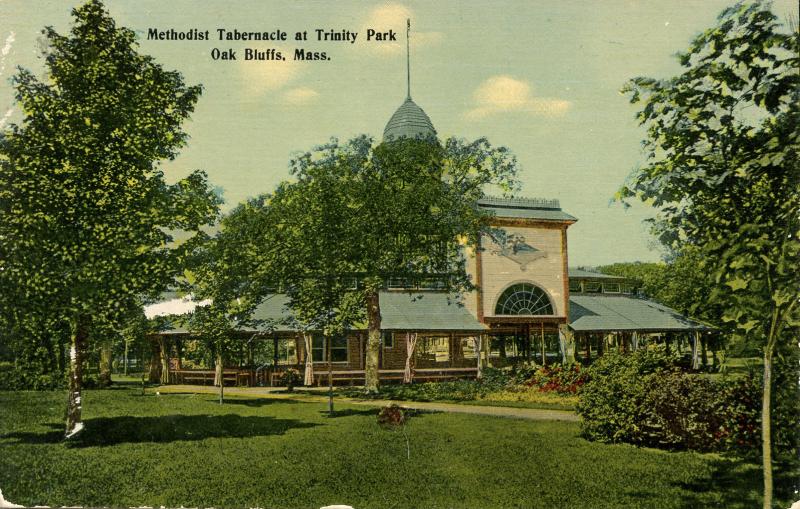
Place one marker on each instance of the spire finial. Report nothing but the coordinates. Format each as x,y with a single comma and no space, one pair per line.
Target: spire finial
408,58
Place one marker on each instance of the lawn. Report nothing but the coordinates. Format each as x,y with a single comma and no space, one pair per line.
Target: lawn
181,449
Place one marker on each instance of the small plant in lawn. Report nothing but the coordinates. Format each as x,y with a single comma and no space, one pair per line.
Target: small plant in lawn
394,418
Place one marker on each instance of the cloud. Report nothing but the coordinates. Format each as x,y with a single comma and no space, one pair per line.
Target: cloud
393,17
5,117
5,50
265,76
300,96
503,94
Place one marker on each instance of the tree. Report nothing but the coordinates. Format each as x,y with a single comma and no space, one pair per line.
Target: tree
722,145
84,209
420,207
222,271
360,215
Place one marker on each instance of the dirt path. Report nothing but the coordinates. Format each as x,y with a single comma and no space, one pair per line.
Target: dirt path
534,414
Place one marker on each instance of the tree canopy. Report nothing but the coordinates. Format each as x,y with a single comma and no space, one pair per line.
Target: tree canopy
85,212
722,168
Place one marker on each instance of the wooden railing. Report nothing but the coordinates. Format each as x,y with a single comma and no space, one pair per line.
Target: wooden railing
351,377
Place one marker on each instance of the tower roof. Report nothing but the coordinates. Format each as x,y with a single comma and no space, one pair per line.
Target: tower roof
409,121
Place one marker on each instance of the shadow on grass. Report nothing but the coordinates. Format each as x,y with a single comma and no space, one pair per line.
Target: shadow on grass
737,481
349,412
259,402
104,431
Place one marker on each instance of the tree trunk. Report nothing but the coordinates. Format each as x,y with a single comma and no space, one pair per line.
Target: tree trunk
163,348
125,358
78,343
219,375
105,362
479,355
766,427
154,374
373,342
179,354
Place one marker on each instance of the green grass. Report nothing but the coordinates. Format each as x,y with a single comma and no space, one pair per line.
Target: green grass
186,449
468,393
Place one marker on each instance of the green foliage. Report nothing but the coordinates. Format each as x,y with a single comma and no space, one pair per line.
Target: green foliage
612,403
86,216
723,171
642,399
170,437
13,378
685,283
723,164
559,378
290,378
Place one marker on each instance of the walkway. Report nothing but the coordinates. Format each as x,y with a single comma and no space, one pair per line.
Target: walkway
319,396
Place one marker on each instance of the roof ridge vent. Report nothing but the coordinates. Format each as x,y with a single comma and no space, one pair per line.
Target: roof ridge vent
521,203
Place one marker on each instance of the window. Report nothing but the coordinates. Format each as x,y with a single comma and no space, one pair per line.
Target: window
523,299
610,287
291,353
318,349
338,350
627,289
592,287
388,340
575,286
435,349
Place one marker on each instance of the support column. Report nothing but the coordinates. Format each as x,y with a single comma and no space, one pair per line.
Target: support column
703,351
544,352
588,354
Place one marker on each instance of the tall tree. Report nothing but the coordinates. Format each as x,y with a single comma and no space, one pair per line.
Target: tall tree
723,169
361,214
84,209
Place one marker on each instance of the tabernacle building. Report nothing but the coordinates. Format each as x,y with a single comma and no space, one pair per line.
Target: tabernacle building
529,306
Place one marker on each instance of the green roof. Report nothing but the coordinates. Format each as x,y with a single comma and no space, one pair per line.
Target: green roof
525,208
421,311
588,274
432,311
622,313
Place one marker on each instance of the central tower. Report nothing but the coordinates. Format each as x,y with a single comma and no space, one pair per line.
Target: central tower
409,121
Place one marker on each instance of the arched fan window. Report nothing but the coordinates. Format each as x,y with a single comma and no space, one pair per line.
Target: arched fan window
523,299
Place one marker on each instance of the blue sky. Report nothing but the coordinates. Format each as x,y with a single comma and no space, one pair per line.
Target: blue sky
540,77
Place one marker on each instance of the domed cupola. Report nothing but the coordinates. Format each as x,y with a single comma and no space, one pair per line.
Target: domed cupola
409,121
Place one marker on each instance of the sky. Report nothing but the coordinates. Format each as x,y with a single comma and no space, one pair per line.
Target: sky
542,78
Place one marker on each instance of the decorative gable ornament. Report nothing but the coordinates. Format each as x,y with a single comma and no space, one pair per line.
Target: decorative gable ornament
518,251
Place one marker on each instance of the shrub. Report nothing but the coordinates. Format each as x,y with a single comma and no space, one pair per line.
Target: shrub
495,379
683,412
13,378
645,400
612,401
